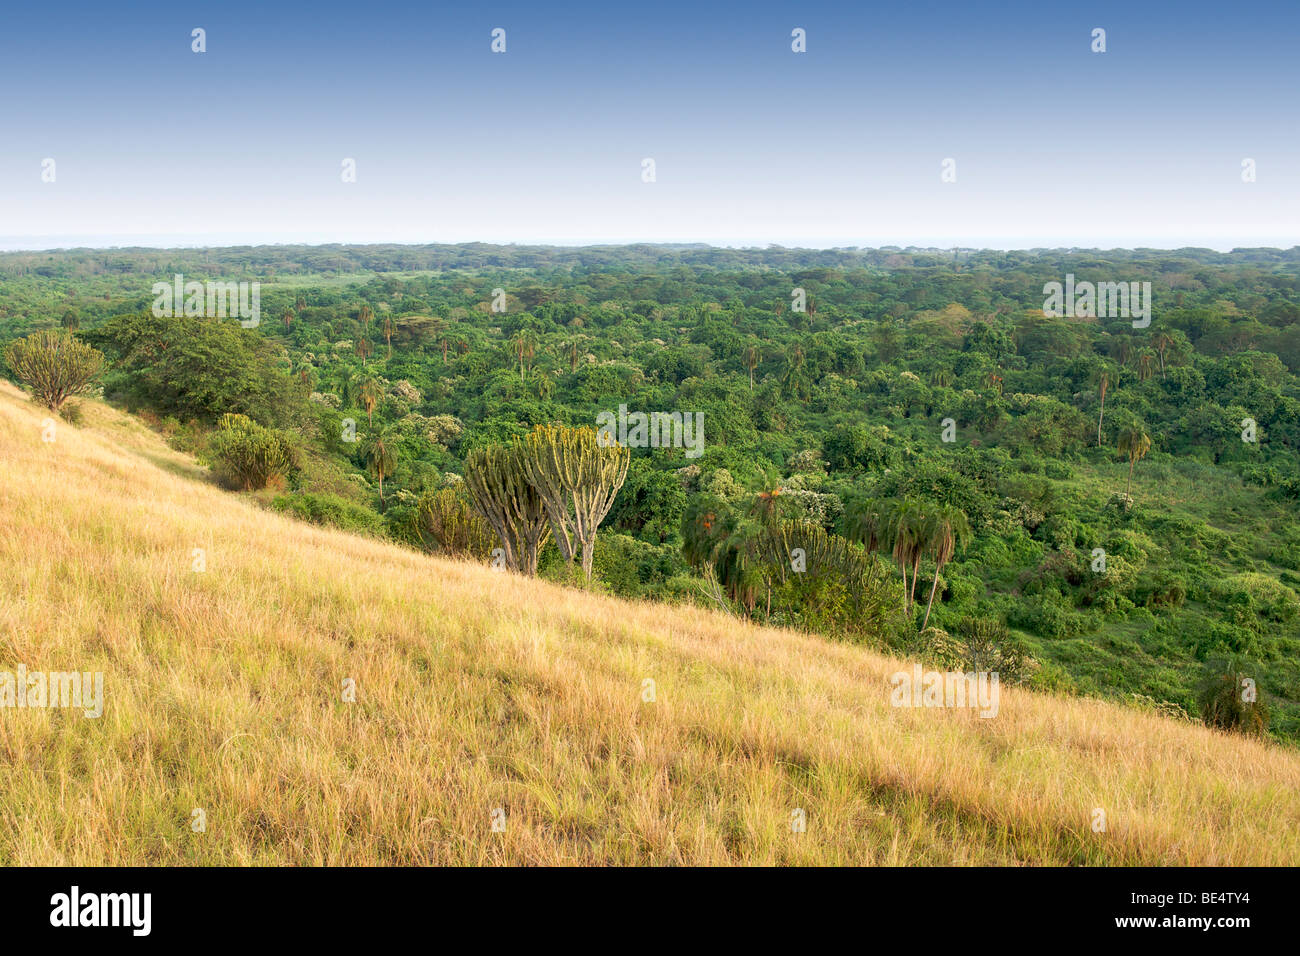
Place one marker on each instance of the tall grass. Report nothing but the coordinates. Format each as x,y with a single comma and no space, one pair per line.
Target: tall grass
476,690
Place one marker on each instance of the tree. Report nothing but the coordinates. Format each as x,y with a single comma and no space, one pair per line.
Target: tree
71,320
364,349
380,452
1103,382
795,378
525,347
1146,365
1134,442
946,530
1229,698
729,546
198,368
577,477
389,329
909,521
500,491
54,365
1162,341
883,526
287,317
446,522
370,394
367,315
751,358
249,455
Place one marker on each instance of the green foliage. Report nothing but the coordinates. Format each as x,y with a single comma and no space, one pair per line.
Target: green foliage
1229,698
54,366
497,482
447,524
577,475
199,368
989,646
846,407
250,456
326,509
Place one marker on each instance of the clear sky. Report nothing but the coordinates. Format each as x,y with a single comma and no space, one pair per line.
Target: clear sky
1055,145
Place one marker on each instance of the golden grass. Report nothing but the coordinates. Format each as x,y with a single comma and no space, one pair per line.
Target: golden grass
477,690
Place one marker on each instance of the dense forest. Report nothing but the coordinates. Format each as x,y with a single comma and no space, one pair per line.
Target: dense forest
897,446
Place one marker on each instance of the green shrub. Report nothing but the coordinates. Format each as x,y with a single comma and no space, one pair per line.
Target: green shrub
1044,616
446,523
990,647
331,510
1261,595
250,456
71,412
1229,699
54,366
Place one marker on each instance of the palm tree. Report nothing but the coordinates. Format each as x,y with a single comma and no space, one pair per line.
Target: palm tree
369,394
767,508
364,348
946,531
389,329
71,320
794,372
287,317
1146,362
1162,342
751,358
367,314
891,526
525,347
1135,443
381,455
1104,382
909,522
347,387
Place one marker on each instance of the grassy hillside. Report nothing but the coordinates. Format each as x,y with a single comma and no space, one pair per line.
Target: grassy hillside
476,691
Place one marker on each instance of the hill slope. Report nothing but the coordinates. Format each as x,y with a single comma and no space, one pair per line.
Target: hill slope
477,691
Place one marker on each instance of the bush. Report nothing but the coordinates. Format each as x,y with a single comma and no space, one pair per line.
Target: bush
325,509
445,523
990,647
54,365
71,413
1261,596
1229,699
1047,618
250,456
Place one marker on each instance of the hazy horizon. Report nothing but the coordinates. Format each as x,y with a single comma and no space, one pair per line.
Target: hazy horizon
1052,145
163,243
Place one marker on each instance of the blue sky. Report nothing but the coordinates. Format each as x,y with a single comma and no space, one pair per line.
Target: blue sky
753,144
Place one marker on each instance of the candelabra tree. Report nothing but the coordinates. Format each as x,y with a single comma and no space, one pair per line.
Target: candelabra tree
499,490
577,477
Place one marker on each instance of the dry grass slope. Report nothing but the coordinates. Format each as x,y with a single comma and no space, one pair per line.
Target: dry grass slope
476,690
